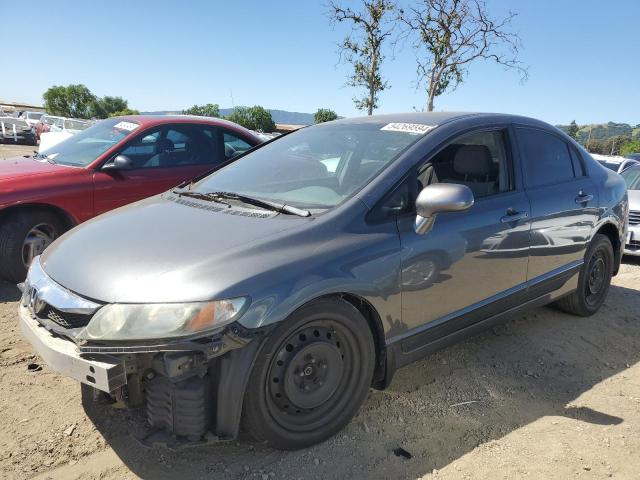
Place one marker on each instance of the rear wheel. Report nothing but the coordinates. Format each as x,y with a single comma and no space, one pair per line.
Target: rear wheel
594,279
311,376
23,236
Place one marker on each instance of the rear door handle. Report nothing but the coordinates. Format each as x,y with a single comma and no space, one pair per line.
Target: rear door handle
513,216
583,197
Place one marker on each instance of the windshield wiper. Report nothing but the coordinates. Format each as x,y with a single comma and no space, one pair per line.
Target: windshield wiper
200,196
276,207
42,156
220,197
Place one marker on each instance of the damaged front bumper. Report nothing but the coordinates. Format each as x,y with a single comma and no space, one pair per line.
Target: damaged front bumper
104,372
188,388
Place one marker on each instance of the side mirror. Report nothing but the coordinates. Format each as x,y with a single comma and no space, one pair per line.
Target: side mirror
439,198
121,162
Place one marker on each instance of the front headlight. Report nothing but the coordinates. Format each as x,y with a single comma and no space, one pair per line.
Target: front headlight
125,322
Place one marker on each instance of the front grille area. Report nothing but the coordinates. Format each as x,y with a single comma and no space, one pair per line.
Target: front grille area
634,217
64,319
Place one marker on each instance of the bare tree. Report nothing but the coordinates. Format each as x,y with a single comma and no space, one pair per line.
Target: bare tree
371,26
448,35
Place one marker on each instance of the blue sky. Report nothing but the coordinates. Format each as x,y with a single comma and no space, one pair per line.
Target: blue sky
583,57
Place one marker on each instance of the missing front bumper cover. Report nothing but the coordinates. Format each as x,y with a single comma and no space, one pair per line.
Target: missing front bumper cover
105,372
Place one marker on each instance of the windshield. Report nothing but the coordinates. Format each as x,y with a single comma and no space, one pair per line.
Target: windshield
315,167
34,115
84,147
632,177
75,124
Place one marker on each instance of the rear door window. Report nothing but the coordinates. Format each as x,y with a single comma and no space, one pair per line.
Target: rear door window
547,158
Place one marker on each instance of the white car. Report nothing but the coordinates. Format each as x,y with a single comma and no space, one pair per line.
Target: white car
61,129
32,118
615,163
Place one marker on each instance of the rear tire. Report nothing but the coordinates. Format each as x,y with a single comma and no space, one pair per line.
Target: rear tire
593,281
24,235
310,377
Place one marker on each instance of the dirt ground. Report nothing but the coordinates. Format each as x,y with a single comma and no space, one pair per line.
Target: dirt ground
546,395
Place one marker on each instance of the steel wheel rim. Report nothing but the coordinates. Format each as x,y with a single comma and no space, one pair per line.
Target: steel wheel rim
36,240
596,278
289,404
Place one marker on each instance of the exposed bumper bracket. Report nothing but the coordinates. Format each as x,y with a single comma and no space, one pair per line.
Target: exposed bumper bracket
103,372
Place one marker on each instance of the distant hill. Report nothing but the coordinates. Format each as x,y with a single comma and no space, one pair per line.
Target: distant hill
604,131
279,116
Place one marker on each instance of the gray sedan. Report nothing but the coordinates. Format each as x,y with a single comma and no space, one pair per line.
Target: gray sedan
276,290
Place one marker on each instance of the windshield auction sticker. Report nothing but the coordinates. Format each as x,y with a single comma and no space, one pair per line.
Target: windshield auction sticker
130,126
412,128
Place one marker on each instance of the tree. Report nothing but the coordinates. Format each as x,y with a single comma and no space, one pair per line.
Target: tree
253,118
74,101
595,146
612,145
630,147
572,131
448,35
122,113
324,115
208,110
107,106
370,27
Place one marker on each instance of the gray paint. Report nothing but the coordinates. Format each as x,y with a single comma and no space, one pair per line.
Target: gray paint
160,251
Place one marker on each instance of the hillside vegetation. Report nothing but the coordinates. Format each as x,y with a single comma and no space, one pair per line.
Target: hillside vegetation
607,138
604,131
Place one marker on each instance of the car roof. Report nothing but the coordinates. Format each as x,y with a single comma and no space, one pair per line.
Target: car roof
146,121
439,118
149,120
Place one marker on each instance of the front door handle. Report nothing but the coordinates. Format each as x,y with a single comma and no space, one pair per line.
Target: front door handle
583,197
513,216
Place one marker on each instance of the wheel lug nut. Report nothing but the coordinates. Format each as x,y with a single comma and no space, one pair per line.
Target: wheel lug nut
306,387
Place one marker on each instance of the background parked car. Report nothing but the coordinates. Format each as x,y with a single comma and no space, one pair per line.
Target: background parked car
118,161
16,130
632,178
32,118
48,123
70,127
615,163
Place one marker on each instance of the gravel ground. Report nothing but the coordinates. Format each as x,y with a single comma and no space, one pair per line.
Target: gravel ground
546,395
9,150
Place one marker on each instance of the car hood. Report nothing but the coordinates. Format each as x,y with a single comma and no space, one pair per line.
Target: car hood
634,199
161,250
27,166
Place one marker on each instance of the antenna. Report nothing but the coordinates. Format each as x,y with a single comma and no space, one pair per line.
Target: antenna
231,93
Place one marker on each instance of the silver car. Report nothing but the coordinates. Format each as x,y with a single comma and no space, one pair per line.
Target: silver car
632,178
276,290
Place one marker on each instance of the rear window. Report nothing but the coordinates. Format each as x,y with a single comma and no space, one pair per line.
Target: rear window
547,159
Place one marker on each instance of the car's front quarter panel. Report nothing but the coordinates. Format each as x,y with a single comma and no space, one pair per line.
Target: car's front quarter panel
341,255
69,191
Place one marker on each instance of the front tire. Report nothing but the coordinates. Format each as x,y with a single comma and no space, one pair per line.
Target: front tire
23,236
310,377
593,281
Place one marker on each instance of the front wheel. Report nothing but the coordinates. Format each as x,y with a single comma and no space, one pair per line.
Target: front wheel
23,236
310,377
593,281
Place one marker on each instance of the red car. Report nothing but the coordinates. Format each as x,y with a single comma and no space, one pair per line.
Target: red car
113,163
